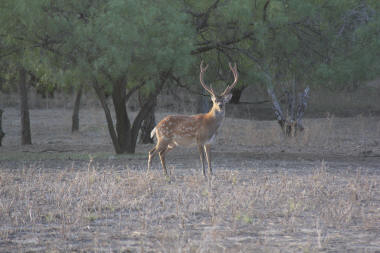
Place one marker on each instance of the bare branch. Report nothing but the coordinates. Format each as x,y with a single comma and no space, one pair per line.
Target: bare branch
303,97
276,105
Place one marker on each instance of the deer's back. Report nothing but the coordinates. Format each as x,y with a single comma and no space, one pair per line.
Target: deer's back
179,125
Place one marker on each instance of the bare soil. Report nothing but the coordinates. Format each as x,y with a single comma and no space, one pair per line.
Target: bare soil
317,192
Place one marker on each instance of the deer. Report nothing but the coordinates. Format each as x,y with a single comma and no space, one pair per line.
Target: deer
191,130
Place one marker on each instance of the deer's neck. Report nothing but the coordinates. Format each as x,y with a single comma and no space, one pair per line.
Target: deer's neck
216,116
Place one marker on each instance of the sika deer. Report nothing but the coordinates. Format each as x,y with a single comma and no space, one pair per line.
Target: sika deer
188,130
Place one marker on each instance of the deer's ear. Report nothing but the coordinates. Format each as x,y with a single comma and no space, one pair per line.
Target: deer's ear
227,98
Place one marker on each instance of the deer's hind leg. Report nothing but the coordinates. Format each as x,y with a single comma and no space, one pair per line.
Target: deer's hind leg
162,158
152,153
162,154
161,146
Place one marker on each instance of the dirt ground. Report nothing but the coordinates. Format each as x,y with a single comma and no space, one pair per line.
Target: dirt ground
318,192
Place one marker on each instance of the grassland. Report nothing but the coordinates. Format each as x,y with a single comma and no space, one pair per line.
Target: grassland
69,192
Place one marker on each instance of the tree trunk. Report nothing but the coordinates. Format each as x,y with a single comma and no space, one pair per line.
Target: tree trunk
26,138
2,134
301,107
124,139
146,128
290,123
75,117
146,108
121,137
102,98
123,125
236,94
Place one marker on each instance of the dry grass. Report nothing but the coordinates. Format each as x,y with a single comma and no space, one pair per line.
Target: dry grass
99,209
270,194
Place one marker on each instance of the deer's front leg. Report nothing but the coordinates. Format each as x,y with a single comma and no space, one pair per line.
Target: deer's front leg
202,155
207,149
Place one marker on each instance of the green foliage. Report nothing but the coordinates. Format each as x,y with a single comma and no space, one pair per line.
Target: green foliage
70,42
74,42
319,42
136,39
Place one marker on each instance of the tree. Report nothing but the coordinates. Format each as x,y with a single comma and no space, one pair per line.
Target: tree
114,45
148,123
2,134
290,45
161,49
24,32
26,137
310,40
75,117
120,47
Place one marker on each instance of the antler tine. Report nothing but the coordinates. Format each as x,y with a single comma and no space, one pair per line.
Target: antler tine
202,70
236,76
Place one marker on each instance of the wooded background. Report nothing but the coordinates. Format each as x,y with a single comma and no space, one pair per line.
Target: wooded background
119,49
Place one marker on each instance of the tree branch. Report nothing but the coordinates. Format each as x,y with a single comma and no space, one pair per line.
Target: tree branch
220,44
265,10
100,93
148,105
134,89
179,84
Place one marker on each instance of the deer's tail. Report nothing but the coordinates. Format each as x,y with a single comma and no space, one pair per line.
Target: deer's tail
153,133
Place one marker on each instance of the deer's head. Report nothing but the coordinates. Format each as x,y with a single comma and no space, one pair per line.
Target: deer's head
219,100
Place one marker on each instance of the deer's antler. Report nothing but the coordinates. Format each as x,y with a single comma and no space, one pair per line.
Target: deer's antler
235,73
202,71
